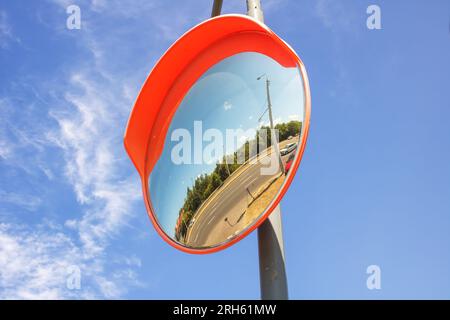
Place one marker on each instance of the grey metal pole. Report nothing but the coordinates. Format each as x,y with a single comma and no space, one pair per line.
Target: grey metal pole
272,269
217,8
254,10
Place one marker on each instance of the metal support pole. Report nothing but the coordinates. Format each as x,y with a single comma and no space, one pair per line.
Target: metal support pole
217,8
254,10
272,270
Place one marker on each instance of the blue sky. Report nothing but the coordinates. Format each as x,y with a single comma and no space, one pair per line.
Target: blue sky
373,186
227,97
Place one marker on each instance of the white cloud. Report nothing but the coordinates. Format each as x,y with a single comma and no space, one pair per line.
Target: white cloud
33,265
89,129
36,265
323,12
242,139
277,120
227,105
266,123
28,202
21,134
337,17
90,135
5,30
71,224
6,33
88,124
341,19
5,148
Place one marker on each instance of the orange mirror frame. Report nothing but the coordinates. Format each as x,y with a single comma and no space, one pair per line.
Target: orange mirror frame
174,74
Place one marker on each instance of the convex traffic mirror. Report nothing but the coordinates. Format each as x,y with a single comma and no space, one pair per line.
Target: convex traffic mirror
218,131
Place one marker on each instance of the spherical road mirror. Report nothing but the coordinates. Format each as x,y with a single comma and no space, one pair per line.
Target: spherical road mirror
217,132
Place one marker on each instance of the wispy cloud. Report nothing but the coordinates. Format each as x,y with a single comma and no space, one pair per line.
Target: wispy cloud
86,106
88,111
34,264
37,264
334,16
227,105
17,138
6,32
29,202
90,129
341,21
5,149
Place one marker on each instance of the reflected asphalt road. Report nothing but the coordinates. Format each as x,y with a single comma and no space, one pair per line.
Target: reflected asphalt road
220,217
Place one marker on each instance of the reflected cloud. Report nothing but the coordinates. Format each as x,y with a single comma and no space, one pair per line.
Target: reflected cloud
227,105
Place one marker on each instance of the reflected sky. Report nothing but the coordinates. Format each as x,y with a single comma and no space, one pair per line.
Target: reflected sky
227,96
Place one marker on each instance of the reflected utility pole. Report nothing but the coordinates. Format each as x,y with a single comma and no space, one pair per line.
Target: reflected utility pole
273,134
226,161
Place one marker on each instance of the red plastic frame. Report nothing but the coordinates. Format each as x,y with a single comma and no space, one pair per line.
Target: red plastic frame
173,75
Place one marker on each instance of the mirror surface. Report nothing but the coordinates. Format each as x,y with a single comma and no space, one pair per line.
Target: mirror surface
219,170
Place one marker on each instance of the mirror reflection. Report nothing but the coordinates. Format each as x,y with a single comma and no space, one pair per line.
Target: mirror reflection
228,151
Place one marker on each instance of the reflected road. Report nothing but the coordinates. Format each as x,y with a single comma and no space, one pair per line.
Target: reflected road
222,215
